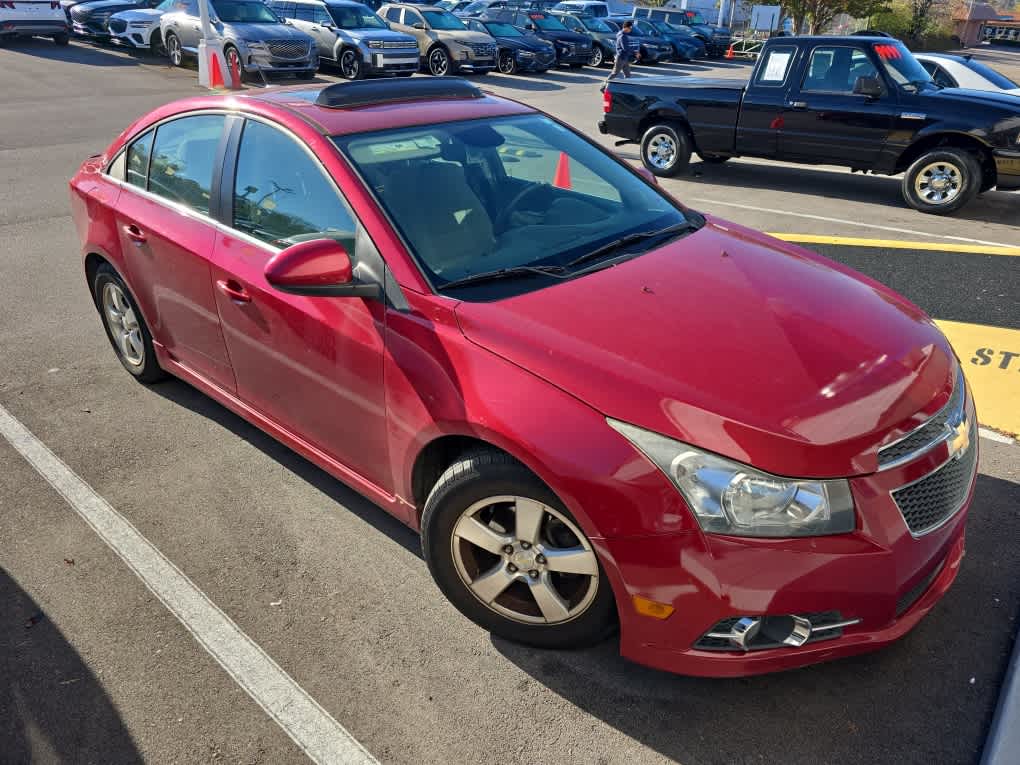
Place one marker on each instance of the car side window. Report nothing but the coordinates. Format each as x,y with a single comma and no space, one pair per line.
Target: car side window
775,66
835,69
183,157
138,160
281,194
476,26
412,17
321,16
941,77
393,14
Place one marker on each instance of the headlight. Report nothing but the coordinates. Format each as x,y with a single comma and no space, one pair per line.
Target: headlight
139,24
730,498
375,43
254,45
525,54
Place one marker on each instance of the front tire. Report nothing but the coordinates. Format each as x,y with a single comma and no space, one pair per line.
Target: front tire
437,62
507,63
62,40
941,181
124,325
598,58
174,51
665,149
350,64
508,554
233,58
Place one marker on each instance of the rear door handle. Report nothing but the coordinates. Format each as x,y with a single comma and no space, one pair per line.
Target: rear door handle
233,290
135,234
798,104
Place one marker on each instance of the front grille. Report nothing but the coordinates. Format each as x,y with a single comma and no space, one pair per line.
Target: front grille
483,50
118,26
923,437
291,49
928,503
397,45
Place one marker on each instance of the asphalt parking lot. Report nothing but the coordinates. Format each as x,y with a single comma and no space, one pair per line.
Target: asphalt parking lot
93,667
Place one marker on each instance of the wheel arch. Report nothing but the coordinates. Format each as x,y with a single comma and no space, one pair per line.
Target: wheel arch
950,139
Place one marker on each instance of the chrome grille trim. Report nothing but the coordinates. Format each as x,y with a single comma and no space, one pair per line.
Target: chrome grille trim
928,435
288,49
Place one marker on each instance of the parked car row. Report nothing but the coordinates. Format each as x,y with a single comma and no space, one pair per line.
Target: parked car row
28,18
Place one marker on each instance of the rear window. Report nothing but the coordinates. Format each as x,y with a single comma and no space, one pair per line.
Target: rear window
997,79
775,66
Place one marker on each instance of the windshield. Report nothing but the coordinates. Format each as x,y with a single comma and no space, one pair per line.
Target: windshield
442,20
595,25
900,64
475,7
548,23
355,17
517,191
244,12
996,78
693,17
644,28
499,29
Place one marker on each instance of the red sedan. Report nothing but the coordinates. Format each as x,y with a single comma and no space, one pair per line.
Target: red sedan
601,409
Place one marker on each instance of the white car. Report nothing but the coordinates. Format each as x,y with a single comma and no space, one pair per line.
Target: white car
139,28
28,18
951,71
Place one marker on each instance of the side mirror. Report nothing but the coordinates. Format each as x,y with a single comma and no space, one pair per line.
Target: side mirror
648,175
317,268
418,25
868,86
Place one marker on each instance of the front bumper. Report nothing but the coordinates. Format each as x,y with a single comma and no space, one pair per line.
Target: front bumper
392,62
882,578
32,27
260,61
90,30
573,56
132,38
536,63
1007,169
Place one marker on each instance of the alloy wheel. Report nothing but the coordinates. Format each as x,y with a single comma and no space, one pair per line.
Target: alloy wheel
350,65
173,48
123,324
439,62
506,64
233,61
525,560
661,151
597,57
939,183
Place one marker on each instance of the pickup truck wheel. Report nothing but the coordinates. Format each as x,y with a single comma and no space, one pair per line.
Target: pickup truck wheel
942,181
665,149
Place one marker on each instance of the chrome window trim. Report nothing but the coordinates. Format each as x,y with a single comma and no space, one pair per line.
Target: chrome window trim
944,435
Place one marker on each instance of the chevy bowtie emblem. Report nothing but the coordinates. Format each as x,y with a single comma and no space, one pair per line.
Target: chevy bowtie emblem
959,437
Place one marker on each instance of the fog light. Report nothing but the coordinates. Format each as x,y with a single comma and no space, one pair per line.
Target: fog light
756,633
652,608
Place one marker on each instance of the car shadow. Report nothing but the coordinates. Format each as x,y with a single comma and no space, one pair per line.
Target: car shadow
529,82
76,53
991,207
931,694
52,707
190,398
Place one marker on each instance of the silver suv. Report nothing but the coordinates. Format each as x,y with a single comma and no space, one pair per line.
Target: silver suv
350,35
253,37
445,43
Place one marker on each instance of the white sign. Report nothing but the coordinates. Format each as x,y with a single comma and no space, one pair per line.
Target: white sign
765,18
775,67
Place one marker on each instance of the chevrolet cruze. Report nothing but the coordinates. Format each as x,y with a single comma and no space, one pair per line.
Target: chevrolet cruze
601,409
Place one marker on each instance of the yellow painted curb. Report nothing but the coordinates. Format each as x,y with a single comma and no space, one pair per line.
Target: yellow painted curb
899,244
991,361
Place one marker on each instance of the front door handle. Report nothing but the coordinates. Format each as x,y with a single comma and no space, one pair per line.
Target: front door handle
135,234
233,290
798,104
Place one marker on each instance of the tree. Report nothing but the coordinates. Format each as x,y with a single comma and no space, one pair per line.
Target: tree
923,15
818,14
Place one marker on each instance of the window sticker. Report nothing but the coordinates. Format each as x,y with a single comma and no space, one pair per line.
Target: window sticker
776,66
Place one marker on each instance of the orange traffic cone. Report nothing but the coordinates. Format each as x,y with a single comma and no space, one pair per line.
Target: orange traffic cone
561,179
215,75
235,74
729,51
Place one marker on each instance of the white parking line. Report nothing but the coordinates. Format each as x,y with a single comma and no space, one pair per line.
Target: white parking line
925,234
311,727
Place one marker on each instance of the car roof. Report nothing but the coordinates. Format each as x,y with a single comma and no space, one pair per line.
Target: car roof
391,114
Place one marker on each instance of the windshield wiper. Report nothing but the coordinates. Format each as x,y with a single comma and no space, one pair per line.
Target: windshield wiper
640,236
505,273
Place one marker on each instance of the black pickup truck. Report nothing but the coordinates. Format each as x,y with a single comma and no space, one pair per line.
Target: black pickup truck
862,102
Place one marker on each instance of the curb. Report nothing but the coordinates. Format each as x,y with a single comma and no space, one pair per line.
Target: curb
1002,747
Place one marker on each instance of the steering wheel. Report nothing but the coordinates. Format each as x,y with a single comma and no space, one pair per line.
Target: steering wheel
499,225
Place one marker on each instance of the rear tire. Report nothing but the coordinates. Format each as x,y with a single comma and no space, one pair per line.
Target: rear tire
941,181
125,327
665,149
62,40
487,511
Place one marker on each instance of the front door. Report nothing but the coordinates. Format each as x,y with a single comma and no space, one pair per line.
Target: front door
312,364
824,121
167,236
761,112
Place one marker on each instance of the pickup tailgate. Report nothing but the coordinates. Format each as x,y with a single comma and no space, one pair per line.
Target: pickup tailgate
710,105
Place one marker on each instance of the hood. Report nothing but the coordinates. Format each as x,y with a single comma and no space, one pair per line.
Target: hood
268,31
966,98
139,14
464,36
525,42
734,342
380,34
563,35
105,5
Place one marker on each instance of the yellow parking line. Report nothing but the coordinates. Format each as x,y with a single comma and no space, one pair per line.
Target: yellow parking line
898,244
991,361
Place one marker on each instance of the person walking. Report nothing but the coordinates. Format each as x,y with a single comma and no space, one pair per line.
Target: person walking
625,52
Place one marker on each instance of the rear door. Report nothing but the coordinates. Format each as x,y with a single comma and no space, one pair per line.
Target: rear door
761,112
312,364
824,121
164,221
